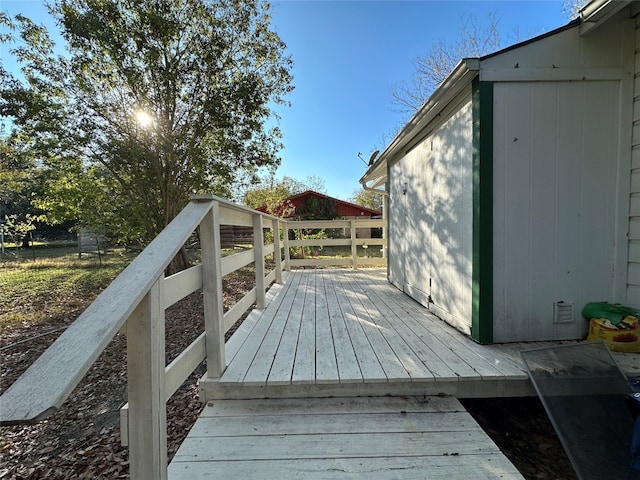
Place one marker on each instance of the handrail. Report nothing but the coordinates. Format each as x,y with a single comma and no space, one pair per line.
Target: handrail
137,300
45,385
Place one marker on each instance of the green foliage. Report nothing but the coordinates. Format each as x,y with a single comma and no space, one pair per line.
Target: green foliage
367,198
317,208
272,193
204,72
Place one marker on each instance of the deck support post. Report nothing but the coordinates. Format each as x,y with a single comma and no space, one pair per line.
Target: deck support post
258,248
212,290
146,390
277,250
354,246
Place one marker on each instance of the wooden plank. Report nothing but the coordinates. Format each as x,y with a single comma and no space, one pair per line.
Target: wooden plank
327,406
183,365
368,361
51,378
282,368
326,424
480,357
342,445
392,365
304,367
181,284
326,366
259,324
346,359
487,467
442,360
258,248
212,292
261,366
395,336
241,334
380,438
147,420
236,261
239,308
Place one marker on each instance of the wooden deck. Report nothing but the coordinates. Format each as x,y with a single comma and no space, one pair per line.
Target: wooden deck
344,376
338,332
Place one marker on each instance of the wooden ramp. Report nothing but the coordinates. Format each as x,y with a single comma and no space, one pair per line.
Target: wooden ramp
372,438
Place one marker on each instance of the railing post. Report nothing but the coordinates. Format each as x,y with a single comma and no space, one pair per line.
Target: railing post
354,247
212,291
277,250
145,378
258,248
287,253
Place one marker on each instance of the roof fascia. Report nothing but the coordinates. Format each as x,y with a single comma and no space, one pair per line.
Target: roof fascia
460,77
596,12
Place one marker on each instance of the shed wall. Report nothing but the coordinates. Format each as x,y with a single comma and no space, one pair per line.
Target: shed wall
633,278
430,231
555,197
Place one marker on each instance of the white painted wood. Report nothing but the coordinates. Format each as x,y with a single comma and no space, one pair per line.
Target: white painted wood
345,356
184,364
277,247
251,338
181,284
236,261
326,365
263,359
304,367
238,309
52,377
369,363
408,355
147,427
392,365
548,204
380,438
258,248
212,291
430,239
282,367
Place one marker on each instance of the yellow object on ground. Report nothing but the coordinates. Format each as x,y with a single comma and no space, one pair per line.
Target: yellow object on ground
624,337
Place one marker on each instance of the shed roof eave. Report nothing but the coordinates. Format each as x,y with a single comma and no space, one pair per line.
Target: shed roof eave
457,80
596,12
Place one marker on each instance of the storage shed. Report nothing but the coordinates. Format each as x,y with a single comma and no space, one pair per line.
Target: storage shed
514,192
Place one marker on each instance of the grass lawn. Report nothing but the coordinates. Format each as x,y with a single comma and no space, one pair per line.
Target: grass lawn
49,281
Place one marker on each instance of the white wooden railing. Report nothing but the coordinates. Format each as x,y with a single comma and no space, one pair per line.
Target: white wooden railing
136,301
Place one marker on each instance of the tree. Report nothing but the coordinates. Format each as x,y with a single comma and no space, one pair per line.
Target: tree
432,69
272,193
367,198
156,98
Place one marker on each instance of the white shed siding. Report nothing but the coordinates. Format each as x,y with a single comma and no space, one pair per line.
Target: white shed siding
555,151
633,278
430,231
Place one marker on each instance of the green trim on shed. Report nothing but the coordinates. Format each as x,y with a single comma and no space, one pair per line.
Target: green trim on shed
482,276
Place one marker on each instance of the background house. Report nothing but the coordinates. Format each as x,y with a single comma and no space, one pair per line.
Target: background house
310,205
514,193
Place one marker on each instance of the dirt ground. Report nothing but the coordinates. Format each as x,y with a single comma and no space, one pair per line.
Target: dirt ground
82,439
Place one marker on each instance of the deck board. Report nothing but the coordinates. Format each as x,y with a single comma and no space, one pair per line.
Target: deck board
340,331
328,438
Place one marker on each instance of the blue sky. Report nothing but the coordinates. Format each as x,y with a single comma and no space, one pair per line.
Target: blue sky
348,56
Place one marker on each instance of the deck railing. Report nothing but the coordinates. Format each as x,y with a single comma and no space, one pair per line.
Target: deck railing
135,302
